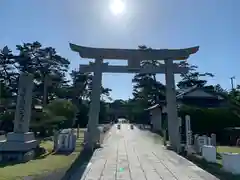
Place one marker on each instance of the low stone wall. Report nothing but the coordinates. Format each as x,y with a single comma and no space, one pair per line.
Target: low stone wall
231,162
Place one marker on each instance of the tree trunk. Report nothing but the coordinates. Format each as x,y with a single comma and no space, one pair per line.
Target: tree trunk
45,93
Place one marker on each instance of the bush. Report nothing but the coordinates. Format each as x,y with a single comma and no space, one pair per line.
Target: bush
61,107
56,115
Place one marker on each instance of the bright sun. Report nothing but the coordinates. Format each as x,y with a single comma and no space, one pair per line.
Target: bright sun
117,7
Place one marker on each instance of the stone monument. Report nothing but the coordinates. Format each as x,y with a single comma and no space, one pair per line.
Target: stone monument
188,130
20,144
189,147
65,141
201,140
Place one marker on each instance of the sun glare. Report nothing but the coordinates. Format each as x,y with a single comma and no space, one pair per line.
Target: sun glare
117,7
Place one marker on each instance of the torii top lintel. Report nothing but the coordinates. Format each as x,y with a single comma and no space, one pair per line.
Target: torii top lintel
126,54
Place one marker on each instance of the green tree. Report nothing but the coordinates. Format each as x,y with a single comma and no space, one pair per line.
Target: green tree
8,75
7,66
61,107
46,65
193,78
82,86
147,91
80,91
57,114
159,89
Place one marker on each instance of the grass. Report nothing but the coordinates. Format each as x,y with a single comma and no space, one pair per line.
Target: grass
49,163
48,145
222,149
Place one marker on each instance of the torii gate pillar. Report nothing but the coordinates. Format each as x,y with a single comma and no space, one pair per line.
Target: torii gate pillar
172,114
93,116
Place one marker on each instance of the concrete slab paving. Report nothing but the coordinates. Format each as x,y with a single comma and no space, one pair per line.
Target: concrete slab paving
137,155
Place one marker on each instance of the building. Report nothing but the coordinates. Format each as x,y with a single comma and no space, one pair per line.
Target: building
200,97
194,97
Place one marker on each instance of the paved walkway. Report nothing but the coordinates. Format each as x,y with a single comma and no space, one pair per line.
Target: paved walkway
138,155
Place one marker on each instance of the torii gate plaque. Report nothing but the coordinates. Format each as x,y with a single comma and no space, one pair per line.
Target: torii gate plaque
134,58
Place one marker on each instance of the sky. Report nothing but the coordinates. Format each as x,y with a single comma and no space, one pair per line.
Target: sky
214,25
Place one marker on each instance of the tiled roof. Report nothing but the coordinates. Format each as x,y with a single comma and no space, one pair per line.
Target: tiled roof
183,92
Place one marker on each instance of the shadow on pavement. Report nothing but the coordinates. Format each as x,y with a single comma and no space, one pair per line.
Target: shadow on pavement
79,165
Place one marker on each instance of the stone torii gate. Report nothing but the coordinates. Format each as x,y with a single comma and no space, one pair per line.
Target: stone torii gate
134,58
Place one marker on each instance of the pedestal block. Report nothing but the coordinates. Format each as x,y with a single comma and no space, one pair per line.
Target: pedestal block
20,137
18,147
209,153
22,142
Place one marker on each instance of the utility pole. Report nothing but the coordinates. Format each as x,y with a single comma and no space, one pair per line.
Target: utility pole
232,78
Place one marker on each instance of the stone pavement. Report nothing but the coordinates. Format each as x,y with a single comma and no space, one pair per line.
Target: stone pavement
138,155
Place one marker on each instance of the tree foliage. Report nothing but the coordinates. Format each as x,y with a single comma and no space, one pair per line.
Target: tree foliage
193,78
145,86
56,97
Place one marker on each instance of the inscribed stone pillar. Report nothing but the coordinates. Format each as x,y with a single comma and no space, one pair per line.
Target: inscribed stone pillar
196,144
173,127
188,130
213,139
188,123
180,127
24,103
95,104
